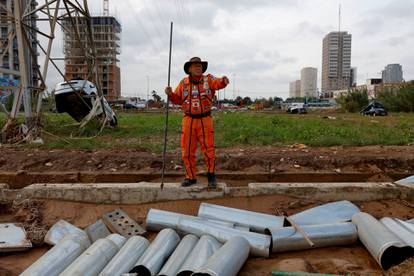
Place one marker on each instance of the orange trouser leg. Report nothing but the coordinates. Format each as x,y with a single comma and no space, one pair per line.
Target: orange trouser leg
189,146
205,136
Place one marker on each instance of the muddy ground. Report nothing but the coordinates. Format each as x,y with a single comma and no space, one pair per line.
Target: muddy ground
295,158
351,260
381,161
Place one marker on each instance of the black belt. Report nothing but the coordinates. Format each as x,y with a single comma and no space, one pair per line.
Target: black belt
198,116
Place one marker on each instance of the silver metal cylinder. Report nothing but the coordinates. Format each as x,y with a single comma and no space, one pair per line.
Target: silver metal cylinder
157,253
329,213
160,219
402,229
94,259
59,257
259,243
126,258
256,222
386,248
288,239
203,250
228,260
177,259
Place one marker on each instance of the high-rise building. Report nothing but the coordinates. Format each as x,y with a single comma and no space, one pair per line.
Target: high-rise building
353,77
106,35
308,82
336,61
9,50
294,89
392,73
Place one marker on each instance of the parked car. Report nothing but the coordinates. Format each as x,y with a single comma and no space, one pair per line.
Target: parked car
76,97
374,109
297,108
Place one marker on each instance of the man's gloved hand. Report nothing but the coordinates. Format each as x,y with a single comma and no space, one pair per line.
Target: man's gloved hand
168,91
225,80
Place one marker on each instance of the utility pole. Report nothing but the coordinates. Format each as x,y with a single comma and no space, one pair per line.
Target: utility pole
148,85
234,86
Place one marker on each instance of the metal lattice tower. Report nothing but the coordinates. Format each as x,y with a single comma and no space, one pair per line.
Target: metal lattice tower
20,37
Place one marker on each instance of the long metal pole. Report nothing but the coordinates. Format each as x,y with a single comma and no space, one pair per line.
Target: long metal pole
168,107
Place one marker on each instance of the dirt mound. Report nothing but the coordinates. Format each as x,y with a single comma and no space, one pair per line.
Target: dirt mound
406,268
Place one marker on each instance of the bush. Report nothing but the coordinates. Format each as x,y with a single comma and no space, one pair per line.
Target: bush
354,100
399,99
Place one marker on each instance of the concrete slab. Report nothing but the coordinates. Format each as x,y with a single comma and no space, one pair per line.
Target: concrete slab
139,193
13,238
97,231
362,191
119,222
123,193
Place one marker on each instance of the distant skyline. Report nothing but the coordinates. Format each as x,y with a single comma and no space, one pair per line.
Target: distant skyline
263,43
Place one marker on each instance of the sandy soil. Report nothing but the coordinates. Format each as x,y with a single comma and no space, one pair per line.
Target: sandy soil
352,260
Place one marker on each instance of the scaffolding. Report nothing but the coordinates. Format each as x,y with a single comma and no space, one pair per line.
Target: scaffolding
106,36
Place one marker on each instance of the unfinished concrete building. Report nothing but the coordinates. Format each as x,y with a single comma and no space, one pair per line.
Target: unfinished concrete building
106,32
9,59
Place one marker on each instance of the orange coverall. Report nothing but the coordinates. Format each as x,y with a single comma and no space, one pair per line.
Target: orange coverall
196,101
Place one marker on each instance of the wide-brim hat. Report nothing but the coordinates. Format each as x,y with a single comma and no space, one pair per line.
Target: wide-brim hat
195,60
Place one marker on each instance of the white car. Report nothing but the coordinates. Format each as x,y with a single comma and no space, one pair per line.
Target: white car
76,97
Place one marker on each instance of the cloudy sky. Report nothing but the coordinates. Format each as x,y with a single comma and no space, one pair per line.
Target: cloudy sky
260,45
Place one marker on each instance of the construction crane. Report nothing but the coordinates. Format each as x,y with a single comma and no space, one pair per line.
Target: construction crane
106,7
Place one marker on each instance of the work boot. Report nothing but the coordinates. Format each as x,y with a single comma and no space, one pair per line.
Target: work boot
212,182
188,182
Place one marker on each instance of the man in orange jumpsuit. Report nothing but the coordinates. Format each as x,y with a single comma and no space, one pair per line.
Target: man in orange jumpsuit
195,94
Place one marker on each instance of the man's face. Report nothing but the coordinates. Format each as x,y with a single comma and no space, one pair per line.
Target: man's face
196,69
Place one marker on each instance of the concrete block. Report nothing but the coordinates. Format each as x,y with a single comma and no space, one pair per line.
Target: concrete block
329,191
120,193
96,231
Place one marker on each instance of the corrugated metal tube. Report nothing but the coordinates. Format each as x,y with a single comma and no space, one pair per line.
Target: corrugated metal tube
386,248
288,239
94,259
259,243
157,253
126,258
59,257
228,260
203,250
179,256
256,222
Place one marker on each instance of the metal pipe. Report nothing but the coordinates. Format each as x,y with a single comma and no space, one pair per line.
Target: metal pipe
402,229
160,219
288,239
94,259
259,243
386,248
157,253
257,222
59,256
126,258
203,250
333,212
228,260
180,255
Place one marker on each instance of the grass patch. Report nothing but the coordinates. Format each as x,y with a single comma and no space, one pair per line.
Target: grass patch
146,130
